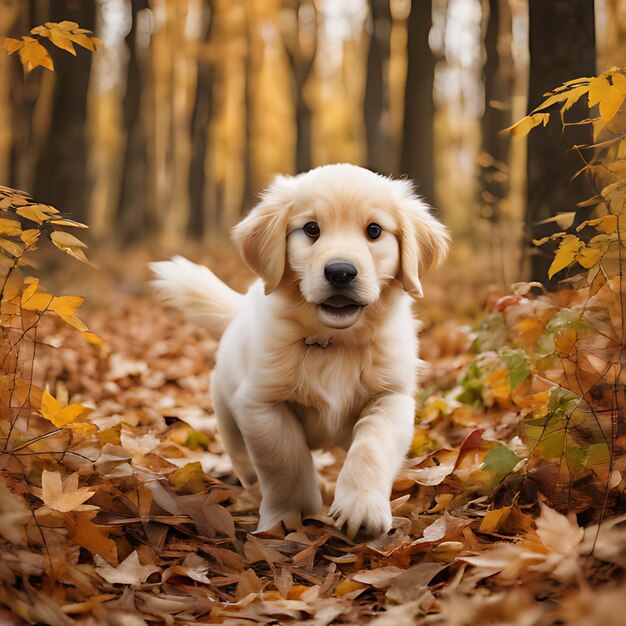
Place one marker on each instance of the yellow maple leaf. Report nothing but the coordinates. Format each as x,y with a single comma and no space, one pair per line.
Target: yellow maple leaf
60,416
33,54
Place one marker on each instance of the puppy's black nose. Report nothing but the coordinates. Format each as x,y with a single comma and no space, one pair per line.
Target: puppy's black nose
340,273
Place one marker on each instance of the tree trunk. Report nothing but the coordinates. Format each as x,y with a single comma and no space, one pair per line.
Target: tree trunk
376,103
300,45
419,108
498,76
200,128
134,177
562,47
9,12
61,173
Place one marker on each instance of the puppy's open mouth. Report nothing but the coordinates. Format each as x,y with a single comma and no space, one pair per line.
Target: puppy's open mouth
340,305
339,311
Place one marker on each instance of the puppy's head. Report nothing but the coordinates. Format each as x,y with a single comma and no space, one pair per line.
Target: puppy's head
342,234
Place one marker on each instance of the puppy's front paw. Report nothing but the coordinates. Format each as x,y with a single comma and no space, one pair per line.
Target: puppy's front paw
359,509
290,512
268,518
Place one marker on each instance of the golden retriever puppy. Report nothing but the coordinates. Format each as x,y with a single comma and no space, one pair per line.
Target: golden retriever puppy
323,350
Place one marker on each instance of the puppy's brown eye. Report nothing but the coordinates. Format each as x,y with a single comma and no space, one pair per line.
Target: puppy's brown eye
374,231
312,229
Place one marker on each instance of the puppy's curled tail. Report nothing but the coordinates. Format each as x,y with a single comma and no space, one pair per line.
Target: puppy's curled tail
197,292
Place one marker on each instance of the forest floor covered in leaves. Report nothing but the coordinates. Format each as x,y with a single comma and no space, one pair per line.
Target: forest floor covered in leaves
128,514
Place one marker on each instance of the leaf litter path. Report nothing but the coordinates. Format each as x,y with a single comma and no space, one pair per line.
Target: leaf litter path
141,522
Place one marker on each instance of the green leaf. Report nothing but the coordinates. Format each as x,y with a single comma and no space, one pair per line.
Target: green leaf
471,385
517,363
562,402
499,462
575,458
598,454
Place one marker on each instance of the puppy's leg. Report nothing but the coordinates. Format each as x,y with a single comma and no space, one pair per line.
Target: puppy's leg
283,462
381,439
233,441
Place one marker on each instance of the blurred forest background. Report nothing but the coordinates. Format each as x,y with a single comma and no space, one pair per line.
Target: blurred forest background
190,107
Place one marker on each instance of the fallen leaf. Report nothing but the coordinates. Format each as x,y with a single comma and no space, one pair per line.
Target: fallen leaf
129,572
64,495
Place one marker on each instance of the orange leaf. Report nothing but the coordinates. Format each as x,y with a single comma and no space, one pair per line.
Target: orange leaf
95,539
33,54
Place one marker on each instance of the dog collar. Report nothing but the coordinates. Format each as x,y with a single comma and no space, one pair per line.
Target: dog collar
318,342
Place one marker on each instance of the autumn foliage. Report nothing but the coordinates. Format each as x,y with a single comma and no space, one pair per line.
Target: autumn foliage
118,506
64,35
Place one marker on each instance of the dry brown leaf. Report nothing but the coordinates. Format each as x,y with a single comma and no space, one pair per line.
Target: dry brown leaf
129,572
64,495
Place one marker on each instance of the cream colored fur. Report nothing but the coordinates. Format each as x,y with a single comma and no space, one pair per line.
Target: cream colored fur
285,381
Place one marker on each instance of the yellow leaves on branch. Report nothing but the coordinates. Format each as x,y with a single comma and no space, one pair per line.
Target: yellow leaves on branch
32,53
64,306
62,34
47,220
566,254
65,34
69,244
10,228
526,124
572,249
606,224
18,242
606,91
608,95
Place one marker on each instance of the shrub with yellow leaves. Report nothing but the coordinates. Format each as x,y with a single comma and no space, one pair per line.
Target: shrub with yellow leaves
29,414
596,244
24,223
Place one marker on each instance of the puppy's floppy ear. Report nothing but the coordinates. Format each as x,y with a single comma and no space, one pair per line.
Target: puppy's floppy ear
424,240
262,236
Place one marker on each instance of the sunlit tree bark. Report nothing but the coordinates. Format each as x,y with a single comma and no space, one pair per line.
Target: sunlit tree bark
105,128
271,111
562,47
224,163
